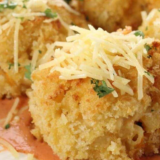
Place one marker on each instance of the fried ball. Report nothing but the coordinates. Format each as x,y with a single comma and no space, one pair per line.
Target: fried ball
35,34
114,14
79,125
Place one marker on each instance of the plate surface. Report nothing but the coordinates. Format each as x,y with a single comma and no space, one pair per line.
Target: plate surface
6,155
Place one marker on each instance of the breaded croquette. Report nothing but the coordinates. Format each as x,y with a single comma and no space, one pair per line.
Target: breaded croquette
26,31
92,102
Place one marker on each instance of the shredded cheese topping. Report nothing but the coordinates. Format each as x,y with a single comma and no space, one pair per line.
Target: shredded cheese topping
96,53
11,113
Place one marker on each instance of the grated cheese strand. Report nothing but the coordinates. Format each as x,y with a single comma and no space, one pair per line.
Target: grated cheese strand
16,35
34,60
27,14
140,78
10,114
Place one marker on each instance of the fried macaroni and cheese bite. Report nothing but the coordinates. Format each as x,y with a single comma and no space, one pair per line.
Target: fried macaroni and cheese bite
27,29
114,14
97,98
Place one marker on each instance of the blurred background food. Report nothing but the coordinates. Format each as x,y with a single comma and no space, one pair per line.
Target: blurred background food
114,14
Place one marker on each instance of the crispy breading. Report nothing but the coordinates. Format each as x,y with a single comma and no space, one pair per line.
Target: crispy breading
77,124
34,36
150,120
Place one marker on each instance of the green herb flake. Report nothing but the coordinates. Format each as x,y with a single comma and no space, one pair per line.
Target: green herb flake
67,1
139,33
24,6
159,10
39,51
101,88
149,74
147,47
6,5
1,7
12,6
146,28
7,126
10,65
73,24
28,72
48,12
152,110
21,18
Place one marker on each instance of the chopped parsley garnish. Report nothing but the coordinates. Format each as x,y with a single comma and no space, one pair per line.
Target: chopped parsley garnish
28,72
48,12
101,88
10,65
146,28
7,5
7,126
149,74
139,33
73,24
12,6
39,51
24,6
67,1
159,10
21,18
147,47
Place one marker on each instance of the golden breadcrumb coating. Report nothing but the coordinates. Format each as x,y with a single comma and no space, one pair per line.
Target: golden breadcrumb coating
79,125
151,119
114,14
34,36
